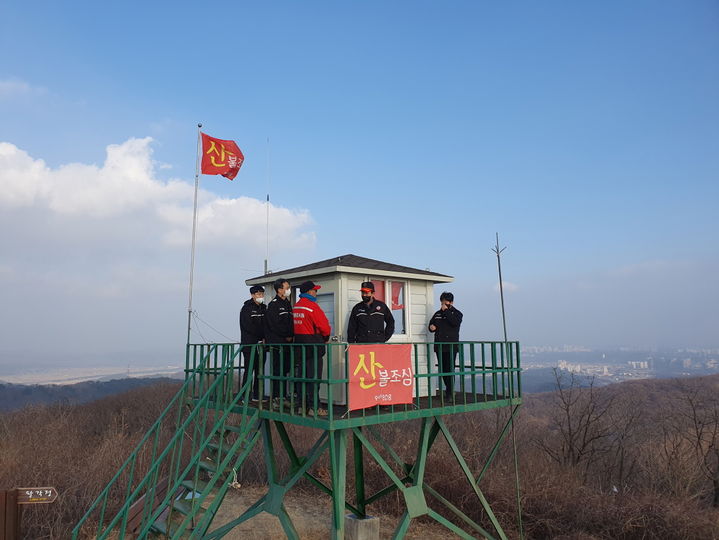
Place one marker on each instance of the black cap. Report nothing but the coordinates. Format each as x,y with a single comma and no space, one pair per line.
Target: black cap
256,288
308,286
367,285
446,296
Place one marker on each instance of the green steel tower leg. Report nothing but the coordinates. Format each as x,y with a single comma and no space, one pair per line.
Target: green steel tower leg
401,529
274,502
338,460
287,524
359,476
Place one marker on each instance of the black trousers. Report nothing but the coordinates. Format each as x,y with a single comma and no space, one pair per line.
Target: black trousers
281,367
446,356
308,365
252,375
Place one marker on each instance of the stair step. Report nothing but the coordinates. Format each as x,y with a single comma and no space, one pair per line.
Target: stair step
208,466
215,450
236,429
159,527
189,485
216,446
183,506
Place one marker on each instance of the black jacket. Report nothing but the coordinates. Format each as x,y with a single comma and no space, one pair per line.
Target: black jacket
252,322
371,323
447,323
278,321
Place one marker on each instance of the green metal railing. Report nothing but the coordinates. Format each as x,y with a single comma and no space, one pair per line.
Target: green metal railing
206,418
485,374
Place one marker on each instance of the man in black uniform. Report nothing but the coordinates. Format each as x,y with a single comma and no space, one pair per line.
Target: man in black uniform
279,332
252,331
371,321
445,325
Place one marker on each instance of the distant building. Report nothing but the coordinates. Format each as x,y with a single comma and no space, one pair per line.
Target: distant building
572,368
639,364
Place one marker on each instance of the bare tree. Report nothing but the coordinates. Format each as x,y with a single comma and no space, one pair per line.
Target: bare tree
624,419
580,423
696,415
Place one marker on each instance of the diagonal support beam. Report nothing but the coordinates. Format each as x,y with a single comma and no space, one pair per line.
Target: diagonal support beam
500,440
451,526
402,527
287,524
470,478
386,491
420,463
379,459
456,511
297,461
375,433
409,468
251,512
315,452
272,501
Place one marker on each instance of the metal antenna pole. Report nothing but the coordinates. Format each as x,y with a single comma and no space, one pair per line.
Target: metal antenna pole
194,229
267,205
496,249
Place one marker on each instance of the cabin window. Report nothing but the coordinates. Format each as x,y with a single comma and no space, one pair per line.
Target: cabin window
393,294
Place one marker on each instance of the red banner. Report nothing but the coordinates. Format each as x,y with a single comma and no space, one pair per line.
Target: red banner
380,375
221,157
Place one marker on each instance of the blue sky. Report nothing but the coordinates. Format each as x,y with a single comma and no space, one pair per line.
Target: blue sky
587,135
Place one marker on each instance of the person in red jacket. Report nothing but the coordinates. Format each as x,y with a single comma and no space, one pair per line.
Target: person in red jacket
313,329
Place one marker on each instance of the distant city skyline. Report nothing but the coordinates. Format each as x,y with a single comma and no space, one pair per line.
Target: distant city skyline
586,135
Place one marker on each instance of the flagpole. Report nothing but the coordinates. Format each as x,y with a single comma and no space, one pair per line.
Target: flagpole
194,229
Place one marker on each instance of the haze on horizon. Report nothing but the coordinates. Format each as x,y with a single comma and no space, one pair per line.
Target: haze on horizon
586,135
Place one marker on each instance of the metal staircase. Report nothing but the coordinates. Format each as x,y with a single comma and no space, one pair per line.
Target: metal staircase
179,473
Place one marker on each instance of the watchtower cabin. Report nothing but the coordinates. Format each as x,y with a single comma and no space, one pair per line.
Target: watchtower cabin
174,482
408,292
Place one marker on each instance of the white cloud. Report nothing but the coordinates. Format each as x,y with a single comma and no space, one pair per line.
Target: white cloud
508,286
126,185
10,88
99,254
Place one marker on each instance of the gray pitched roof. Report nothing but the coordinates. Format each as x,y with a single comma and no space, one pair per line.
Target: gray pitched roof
354,261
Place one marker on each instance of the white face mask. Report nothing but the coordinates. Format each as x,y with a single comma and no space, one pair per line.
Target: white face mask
288,292
260,299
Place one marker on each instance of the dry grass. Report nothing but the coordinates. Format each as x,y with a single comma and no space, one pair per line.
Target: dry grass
79,448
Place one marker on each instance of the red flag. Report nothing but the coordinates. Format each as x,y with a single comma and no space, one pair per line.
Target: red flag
221,157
